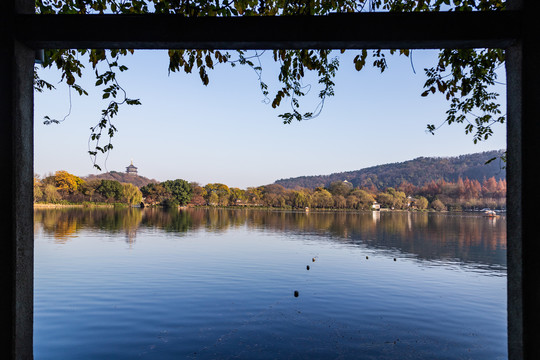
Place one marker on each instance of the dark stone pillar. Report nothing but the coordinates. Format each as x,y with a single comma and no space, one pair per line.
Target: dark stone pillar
523,93
514,203
16,182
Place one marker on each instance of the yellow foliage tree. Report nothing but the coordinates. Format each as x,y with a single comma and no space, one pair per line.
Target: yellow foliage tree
67,182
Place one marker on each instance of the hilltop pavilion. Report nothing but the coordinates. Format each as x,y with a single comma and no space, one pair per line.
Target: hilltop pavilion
131,169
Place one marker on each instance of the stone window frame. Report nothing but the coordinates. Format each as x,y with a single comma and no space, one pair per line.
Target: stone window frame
23,32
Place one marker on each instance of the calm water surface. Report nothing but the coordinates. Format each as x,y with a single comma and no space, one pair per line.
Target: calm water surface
220,284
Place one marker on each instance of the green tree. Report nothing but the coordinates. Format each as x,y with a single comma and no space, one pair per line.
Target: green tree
180,192
154,193
465,77
131,194
112,190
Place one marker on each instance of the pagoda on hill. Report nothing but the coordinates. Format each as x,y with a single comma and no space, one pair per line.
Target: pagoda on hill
131,169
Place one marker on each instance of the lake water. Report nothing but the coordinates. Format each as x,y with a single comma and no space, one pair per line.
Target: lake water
235,284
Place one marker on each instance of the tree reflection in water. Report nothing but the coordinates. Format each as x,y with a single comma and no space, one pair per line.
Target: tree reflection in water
462,237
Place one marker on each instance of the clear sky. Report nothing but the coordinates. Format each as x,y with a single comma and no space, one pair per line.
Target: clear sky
224,132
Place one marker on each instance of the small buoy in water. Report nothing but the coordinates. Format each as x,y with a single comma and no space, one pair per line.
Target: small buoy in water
394,259
367,257
313,259
295,293
307,267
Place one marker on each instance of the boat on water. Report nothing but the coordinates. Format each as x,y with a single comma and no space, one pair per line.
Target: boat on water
490,213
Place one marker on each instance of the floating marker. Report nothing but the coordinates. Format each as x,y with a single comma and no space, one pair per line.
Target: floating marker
394,259
295,293
313,259
367,257
307,267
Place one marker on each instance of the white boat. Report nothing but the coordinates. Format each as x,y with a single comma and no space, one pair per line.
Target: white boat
490,213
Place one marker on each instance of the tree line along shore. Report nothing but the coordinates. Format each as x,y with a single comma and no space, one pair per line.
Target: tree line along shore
63,188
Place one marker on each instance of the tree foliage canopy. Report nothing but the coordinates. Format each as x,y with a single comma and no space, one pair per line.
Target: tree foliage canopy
170,193
67,182
110,189
180,191
465,77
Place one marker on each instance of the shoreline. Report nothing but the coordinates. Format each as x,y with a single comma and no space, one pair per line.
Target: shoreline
53,206
259,208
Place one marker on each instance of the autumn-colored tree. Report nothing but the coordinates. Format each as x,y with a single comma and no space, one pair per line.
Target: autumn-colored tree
254,195
421,203
322,198
273,195
473,189
300,199
392,198
38,193
222,192
270,199
154,193
213,199
431,189
385,199
340,202
406,187
237,196
198,195
501,189
460,188
489,187
463,194
50,194
360,199
438,205
342,188
66,182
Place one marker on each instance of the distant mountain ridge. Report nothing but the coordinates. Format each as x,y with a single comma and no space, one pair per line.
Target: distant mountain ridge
417,172
136,180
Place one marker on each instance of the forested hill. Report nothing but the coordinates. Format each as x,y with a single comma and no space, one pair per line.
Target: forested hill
136,180
417,172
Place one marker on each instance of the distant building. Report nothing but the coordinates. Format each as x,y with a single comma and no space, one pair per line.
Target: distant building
131,169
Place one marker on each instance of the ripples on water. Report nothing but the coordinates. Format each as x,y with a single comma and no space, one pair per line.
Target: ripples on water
219,284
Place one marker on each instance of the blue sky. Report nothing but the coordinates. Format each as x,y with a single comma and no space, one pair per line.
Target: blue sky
224,132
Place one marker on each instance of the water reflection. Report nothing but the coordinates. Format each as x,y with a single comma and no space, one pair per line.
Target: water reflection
474,240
